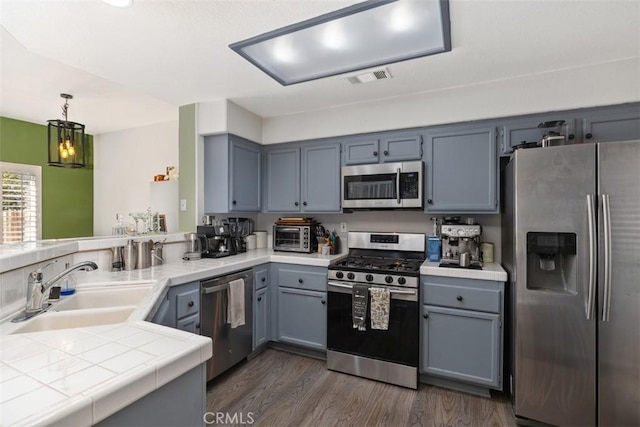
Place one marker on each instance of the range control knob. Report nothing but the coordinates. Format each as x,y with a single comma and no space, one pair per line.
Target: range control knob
460,232
369,277
388,279
339,274
402,280
351,276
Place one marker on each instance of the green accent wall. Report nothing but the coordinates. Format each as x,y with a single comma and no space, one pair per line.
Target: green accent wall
67,194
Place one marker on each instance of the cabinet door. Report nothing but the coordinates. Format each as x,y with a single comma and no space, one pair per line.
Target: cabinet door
190,324
515,133
612,126
461,171
261,318
321,178
244,194
283,180
401,148
302,318
461,345
361,152
163,315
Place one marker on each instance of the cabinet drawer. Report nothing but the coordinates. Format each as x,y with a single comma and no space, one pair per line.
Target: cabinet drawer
187,303
462,297
303,279
262,277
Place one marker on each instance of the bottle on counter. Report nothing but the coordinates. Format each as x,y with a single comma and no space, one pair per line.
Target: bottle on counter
434,244
68,286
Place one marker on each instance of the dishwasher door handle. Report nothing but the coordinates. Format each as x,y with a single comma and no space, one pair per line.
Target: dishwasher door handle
216,288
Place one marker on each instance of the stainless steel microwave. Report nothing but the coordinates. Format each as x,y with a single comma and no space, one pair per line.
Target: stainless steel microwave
294,238
383,186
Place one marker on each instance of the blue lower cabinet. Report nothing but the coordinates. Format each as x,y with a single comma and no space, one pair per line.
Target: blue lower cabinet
461,345
261,317
302,317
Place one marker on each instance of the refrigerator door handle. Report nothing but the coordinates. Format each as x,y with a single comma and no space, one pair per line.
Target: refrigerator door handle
606,218
592,255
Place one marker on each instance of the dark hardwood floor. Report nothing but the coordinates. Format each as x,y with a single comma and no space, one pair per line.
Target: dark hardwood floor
283,389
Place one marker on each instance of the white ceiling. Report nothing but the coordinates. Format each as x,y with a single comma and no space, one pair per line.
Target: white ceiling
131,67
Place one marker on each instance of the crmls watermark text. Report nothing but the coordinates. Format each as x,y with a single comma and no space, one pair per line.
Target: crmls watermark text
227,418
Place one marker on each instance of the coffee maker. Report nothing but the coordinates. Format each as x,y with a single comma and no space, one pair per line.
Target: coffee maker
217,240
461,245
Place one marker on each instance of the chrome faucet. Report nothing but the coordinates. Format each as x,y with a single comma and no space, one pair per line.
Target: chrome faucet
37,291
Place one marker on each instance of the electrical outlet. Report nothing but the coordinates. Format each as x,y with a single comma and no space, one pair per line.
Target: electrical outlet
183,205
343,227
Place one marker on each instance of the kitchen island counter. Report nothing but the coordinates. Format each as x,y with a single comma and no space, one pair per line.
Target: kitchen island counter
83,375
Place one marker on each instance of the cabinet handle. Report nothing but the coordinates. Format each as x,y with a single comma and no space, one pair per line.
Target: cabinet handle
259,299
233,202
197,325
263,279
588,136
304,203
430,201
190,304
571,136
375,154
426,315
459,297
386,153
323,302
296,203
300,280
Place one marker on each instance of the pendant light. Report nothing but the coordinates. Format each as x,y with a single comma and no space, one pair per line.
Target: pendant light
66,140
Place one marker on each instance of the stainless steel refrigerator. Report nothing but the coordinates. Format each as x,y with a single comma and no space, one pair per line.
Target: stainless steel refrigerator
571,245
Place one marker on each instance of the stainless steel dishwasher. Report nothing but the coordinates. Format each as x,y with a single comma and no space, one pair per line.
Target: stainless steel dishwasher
230,345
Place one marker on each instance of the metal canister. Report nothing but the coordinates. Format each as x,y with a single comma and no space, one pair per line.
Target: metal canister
156,254
130,256
143,259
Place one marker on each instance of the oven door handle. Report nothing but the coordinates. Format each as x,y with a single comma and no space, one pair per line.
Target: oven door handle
393,291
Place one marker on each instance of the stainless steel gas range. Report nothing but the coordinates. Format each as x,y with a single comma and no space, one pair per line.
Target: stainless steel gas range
377,261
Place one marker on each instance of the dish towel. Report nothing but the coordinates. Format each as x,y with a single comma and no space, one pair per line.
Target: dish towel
235,305
359,298
380,308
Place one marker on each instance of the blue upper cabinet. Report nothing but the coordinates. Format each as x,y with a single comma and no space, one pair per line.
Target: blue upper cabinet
283,179
619,124
321,178
303,178
461,171
519,131
232,174
400,148
383,148
361,152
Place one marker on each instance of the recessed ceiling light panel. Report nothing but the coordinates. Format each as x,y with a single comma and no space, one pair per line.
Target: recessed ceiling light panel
365,35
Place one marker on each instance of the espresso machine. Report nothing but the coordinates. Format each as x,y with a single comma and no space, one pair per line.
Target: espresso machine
217,240
461,245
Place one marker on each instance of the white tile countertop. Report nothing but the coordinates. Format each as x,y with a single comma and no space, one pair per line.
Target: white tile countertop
81,376
491,271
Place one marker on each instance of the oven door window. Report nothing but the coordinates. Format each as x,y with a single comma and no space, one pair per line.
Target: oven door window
288,237
398,344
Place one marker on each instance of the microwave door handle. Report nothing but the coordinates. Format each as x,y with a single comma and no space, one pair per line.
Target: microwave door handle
398,185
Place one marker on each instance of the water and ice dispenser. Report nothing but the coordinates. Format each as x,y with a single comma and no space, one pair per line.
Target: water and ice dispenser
551,261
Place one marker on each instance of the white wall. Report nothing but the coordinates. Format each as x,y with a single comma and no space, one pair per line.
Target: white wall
124,165
602,84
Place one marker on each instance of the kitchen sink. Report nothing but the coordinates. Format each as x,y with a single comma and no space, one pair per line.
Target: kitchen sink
111,297
76,319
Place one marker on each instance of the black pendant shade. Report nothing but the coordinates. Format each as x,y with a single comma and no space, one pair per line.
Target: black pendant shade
66,141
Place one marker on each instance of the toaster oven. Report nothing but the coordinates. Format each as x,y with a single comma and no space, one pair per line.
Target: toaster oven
294,238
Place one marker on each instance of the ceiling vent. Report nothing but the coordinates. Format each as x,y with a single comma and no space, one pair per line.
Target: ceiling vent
371,76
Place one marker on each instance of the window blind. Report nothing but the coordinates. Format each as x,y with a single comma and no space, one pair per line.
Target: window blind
20,204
